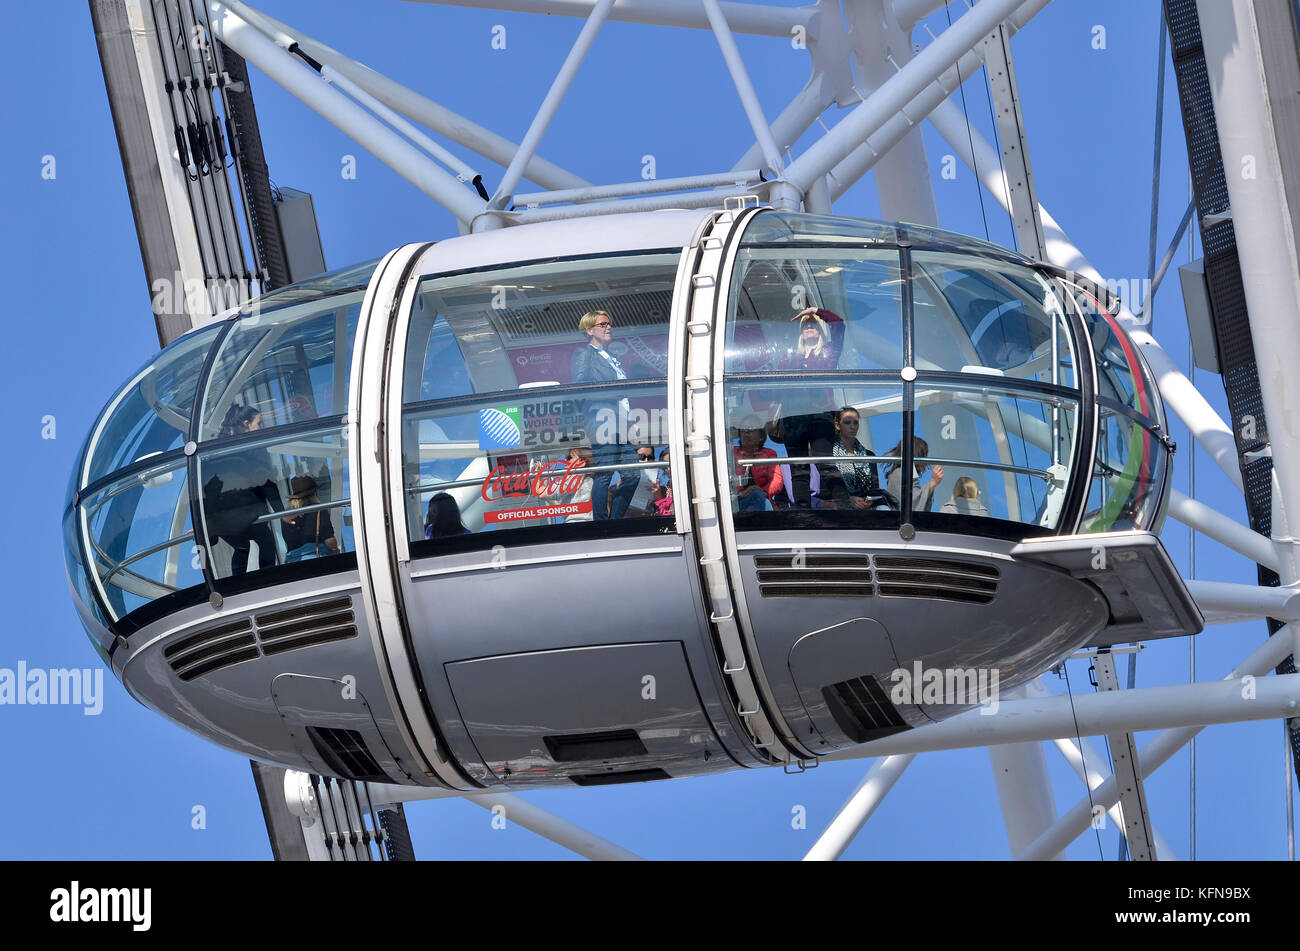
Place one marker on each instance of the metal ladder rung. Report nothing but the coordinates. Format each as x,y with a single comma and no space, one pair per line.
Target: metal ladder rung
699,326
702,280
726,617
711,560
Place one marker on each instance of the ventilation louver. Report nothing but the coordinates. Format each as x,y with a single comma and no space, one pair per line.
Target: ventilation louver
346,755
862,709
212,649
274,632
885,576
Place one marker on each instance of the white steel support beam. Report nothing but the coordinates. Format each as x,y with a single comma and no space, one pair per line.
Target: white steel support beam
744,87
911,12
1156,753
1224,603
898,91
440,119
1179,394
1083,763
863,158
307,85
743,17
853,815
554,96
558,830
515,809
1264,223
880,48
1222,529
1024,792
1132,795
1085,759
1147,708
1015,147
794,120
463,171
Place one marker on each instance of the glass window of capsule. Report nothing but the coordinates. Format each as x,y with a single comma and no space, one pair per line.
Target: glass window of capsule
260,401
877,374
872,374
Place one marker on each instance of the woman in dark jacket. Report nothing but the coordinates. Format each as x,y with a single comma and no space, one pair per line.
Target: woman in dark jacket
310,535
806,428
240,488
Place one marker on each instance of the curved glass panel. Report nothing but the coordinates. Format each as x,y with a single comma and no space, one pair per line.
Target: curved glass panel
833,453
984,315
525,407
1121,374
151,415
993,452
289,365
790,228
79,576
857,293
139,539
1129,479
351,278
815,353
276,499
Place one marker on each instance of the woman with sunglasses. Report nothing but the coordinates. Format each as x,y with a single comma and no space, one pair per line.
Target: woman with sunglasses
850,485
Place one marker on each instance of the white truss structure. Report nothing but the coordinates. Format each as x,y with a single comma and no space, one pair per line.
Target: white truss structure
896,89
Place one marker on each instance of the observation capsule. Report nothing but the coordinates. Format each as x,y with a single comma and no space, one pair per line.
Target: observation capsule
626,498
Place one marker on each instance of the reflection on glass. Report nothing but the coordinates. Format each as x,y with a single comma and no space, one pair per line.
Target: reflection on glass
151,415
1129,476
987,316
996,452
843,443
290,365
544,458
815,309
139,538
518,327
571,432
270,500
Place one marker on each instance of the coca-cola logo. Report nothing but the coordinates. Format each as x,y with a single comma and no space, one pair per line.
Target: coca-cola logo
552,479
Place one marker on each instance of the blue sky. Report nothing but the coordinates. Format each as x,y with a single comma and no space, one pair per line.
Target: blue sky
125,784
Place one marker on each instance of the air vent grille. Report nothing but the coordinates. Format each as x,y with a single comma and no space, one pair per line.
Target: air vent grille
274,632
346,755
213,649
862,709
886,576
306,625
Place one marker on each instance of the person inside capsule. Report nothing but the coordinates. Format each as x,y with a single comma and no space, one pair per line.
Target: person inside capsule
443,519
757,485
239,490
965,499
607,420
310,535
922,497
850,485
802,420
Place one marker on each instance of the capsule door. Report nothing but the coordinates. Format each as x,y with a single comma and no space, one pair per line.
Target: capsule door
546,596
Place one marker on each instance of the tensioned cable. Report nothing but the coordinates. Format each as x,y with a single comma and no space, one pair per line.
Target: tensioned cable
1078,738
979,189
1002,165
